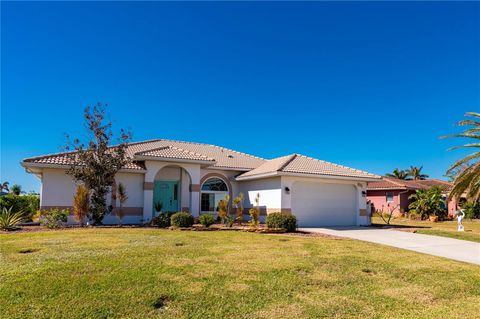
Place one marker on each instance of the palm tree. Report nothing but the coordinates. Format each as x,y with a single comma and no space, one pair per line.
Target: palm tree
416,173
16,189
466,171
398,173
4,187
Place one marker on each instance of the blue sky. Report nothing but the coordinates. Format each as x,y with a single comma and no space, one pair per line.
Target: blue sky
371,85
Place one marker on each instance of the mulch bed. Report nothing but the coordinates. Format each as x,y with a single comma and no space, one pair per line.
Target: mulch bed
197,227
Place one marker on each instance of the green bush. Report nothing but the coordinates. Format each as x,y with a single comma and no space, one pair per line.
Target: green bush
472,210
54,218
28,205
206,219
162,220
182,220
282,220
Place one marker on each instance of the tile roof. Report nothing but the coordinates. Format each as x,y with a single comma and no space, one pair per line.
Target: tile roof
388,183
220,157
174,153
224,157
301,164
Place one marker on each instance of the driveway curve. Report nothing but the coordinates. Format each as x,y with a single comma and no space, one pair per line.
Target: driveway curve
455,249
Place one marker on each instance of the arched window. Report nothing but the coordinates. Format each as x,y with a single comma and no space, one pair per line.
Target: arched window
213,190
215,185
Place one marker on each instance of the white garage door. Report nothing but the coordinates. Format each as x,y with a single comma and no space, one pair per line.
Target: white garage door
317,204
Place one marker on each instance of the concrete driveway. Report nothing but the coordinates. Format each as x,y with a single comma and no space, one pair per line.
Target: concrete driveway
455,249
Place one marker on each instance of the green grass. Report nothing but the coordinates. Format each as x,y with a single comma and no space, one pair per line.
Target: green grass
443,228
452,234
100,273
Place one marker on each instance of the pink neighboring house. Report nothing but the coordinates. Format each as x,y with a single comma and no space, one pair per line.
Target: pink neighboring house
393,193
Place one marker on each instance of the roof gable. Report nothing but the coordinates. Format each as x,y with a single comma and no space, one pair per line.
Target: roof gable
300,164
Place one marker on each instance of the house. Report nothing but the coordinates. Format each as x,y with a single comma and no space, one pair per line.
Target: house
393,194
193,177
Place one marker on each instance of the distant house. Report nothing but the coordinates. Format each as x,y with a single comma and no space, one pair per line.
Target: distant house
391,193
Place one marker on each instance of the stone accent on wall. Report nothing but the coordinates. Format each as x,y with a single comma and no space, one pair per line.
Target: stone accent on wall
58,207
186,209
127,211
148,186
194,188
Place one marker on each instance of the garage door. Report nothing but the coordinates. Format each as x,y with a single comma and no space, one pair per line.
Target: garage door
317,204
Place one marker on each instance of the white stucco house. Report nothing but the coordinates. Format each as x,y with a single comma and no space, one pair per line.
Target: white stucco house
193,177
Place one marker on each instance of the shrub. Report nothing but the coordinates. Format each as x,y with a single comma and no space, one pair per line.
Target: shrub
255,212
27,204
472,210
182,220
54,218
223,209
81,201
162,220
282,220
238,203
206,219
9,220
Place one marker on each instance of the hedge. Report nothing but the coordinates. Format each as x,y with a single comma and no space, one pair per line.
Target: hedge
27,204
182,220
282,220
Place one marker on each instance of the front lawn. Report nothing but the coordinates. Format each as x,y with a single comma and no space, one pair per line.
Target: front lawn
443,228
151,273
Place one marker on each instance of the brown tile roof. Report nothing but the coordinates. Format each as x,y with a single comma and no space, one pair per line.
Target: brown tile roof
301,164
173,152
223,157
388,183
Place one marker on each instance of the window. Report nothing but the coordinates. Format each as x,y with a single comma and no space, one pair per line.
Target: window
212,191
215,184
389,197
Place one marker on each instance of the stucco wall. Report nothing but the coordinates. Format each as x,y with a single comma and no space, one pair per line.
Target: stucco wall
379,199
269,190
58,190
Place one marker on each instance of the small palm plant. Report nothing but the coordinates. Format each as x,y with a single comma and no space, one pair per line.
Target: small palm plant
255,212
238,203
466,171
158,206
223,209
427,202
81,201
122,197
398,173
9,220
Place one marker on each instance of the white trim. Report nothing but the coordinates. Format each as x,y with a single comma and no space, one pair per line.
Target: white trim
277,173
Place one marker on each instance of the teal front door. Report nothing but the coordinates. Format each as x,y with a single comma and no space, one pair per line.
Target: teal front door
166,192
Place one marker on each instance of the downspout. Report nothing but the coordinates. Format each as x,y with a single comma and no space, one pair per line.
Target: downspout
399,198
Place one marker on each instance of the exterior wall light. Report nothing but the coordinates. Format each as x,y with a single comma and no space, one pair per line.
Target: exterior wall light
287,190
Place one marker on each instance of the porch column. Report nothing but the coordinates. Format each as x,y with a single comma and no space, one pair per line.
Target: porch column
147,201
194,172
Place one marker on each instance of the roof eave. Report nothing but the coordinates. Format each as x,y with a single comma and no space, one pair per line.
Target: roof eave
327,176
257,176
324,176
28,165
